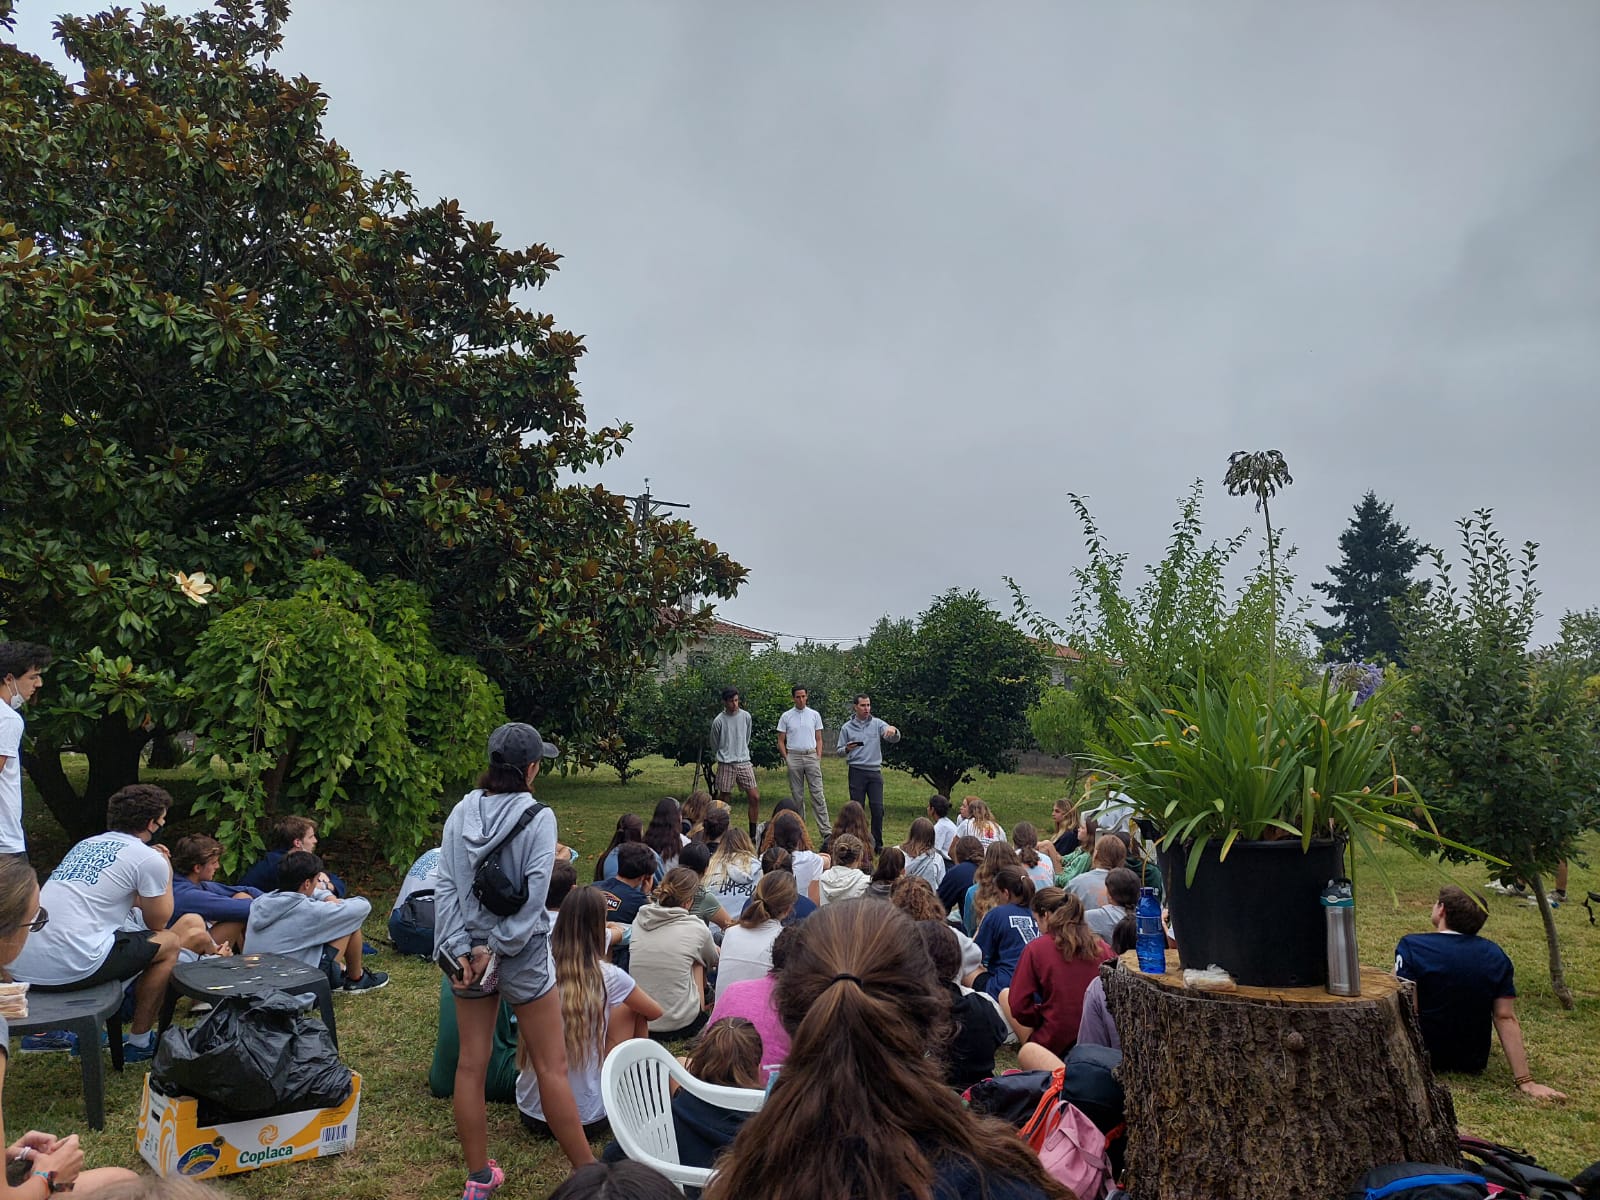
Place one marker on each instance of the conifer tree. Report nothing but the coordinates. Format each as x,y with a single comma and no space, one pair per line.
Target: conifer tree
1378,558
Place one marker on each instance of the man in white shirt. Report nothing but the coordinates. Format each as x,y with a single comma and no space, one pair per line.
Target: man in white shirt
101,883
800,746
22,667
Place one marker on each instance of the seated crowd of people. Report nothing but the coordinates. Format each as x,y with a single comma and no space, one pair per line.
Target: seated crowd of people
836,967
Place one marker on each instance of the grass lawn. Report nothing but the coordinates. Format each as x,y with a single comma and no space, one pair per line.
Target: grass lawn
406,1141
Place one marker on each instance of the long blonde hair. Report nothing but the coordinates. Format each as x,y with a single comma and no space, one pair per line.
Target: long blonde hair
981,818
734,850
996,856
577,943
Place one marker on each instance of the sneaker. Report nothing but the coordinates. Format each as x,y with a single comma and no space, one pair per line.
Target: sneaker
371,981
482,1191
201,1007
53,1039
77,1048
132,1052
368,949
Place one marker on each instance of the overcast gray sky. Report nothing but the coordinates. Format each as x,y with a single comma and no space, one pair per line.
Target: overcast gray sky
878,283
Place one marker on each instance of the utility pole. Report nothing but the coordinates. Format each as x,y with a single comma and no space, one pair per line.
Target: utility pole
644,507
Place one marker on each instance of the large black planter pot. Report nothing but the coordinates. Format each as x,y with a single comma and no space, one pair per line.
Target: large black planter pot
1257,913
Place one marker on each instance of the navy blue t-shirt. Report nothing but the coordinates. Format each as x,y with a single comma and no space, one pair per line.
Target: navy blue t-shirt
1004,933
629,898
1458,977
953,887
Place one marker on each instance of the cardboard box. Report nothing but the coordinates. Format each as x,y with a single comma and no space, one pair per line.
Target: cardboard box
174,1143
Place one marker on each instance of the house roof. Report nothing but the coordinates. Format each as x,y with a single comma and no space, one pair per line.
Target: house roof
1057,650
727,629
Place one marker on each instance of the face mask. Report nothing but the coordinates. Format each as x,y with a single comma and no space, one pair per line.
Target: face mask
16,700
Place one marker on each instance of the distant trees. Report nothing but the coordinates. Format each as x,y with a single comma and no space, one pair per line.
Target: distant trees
1377,558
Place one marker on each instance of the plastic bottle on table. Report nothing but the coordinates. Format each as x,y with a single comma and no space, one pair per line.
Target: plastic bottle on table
1152,944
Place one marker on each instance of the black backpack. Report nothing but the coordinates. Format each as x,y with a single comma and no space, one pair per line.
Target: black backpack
495,890
1418,1181
1517,1171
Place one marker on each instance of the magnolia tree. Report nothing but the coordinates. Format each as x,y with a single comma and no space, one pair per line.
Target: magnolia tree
1504,741
225,349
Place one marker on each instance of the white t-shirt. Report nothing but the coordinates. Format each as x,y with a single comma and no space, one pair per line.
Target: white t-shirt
807,866
424,874
944,832
89,897
969,828
746,954
1113,815
800,727
585,1080
11,839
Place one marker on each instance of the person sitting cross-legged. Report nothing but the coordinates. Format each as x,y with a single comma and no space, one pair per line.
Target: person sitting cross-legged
1465,983
102,884
224,908
304,920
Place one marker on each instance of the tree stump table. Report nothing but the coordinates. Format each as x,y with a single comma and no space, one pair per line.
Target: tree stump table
1289,1093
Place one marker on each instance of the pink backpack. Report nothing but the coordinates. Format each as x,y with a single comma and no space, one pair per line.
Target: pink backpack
1074,1153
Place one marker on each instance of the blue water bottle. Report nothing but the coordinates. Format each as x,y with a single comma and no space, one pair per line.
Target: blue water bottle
1152,943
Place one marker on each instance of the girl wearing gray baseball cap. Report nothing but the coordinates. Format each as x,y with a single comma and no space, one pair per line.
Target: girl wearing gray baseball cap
492,938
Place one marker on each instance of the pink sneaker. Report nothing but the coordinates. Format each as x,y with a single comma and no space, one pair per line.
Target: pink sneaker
482,1191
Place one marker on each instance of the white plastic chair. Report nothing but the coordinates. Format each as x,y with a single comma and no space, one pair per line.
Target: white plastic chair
634,1083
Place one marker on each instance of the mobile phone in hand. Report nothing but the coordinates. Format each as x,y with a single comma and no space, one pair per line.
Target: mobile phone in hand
450,966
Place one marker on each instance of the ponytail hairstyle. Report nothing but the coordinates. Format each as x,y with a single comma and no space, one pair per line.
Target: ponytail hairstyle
914,896
733,850
1026,839
966,848
577,943
677,888
861,1002
728,1052
891,865
665,834
920,840
1013,881
788,832
715,824
769,835
777,859
847,850
996,856
852,819
1065,924
629,829
773,900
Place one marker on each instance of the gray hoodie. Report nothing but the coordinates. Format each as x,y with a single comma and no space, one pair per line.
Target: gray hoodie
298,926
665,945
470,832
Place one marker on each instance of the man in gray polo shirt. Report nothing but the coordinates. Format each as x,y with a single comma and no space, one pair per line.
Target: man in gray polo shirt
860,741
730,739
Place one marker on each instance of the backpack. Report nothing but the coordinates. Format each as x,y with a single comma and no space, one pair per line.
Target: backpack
1074,1153
1516,1171
1418,1181
1012,1096
411,925
496,890
1090,1083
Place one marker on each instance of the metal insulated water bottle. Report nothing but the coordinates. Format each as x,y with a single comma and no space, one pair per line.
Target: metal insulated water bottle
1339,911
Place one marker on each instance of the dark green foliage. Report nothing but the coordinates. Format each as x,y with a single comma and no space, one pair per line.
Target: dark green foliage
225,349
1374,571
691,698
958,684
1501,741
830,675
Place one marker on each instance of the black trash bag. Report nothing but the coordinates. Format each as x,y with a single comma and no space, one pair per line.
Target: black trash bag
254,1056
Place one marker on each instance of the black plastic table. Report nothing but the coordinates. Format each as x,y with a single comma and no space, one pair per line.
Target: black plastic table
249,975
87,1013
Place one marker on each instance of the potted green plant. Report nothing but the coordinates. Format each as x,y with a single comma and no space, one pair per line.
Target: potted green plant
1257,788
1256,795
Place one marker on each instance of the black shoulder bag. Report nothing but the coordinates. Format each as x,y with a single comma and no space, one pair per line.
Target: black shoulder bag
495,890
